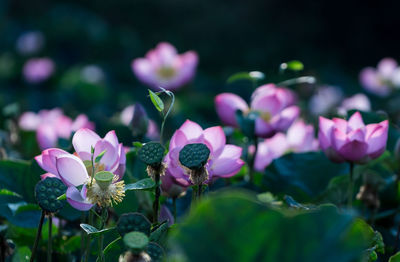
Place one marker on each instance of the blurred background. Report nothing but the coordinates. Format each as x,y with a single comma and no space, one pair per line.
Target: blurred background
93,43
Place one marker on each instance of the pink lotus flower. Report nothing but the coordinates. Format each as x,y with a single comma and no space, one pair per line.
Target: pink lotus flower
50,125
357,102
383,79
274,105
71,168
114,158
224,160
299,138
164,67
37,70
352,140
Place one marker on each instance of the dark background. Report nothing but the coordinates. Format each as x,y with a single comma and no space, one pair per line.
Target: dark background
334,39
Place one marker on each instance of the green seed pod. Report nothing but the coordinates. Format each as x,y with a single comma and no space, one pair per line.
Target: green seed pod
152,153
155,251
133,222
194,156
46,193
136,241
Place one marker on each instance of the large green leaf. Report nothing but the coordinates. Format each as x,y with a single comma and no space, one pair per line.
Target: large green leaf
20,177
233,226
21,214
21,254
303,176
395,257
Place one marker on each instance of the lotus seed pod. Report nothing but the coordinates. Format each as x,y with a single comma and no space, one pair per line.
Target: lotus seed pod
152,153
194,156
155,251
46,193
136,241
133,222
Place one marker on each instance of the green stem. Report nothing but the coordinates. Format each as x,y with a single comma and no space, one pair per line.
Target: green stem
199,191
38,234
156,203
170,94
162,130
90,222
194,194
101,237
351,186
174,208
93,169
83,235
50,240
252,159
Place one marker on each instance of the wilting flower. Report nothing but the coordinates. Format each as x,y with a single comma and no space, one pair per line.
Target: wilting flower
352,140
381,80
37,70
325,99
77,172
50,125
30,42
299,138
224,160
274,107
164,67
356,102
135,116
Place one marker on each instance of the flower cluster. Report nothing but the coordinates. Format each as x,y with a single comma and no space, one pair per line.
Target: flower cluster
50,125
299,138
273,106
383,79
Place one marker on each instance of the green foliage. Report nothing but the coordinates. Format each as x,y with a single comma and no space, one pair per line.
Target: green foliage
18,176
159,233
144,184
156,100
91,230
245,230
304,176
250,76
21,254
395,257
293,65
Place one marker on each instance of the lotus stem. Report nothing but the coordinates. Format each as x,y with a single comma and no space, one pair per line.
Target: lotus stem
38,234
